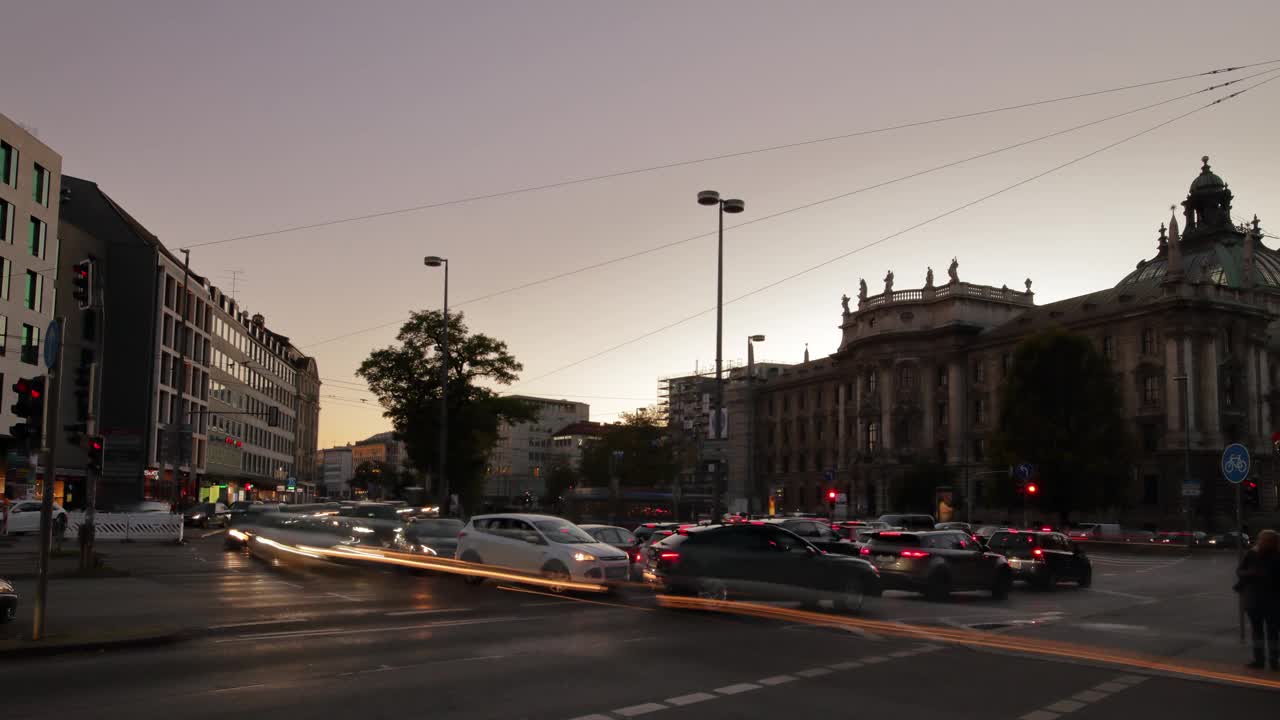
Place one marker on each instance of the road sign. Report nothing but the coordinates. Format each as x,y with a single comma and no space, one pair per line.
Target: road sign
1235,463
52,343
1023,471
1190,488
829,475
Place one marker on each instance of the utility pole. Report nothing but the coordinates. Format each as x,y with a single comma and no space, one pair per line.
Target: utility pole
181,421
50,469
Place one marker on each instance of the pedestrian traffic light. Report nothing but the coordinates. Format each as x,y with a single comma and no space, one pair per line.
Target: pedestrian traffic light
1031,489
1251,499
97,446
82,283
831,495
30,409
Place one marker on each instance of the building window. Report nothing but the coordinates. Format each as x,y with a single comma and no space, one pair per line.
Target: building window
30,344
980,411
36,231
902,438
817,427
8,159
34,294
942,378
817,398
800,400
979,372
1150,390
943,414
1228,389
770,397
979,449
786,401
4,339
1150,438
1108,347
873,436
1150,489
6,221
1006,364
1148,341
6,269
40,184
871,383
906,378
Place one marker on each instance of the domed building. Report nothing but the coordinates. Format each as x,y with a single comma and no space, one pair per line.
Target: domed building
917,375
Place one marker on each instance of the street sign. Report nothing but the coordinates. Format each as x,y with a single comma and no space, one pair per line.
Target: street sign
842,498
1022,471
1190,488
291,484
52,344
829,475
1235,463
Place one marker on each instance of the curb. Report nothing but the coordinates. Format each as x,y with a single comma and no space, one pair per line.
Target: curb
38,649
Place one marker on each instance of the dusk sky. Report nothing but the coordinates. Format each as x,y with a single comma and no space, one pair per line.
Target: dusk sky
213,120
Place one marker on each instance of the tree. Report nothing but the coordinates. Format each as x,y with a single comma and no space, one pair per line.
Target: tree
372,477
560,477
635,450
1061,411
406,378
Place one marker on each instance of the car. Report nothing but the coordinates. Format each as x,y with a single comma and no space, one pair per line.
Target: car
206,514
963,526
1097,531
434,536
817,533
1181,537
1229,540
937,562
144,506
910,522
622,539
24,517
371,511
643,532
985,532
718,562
8,601
543,545
1043,558
237,509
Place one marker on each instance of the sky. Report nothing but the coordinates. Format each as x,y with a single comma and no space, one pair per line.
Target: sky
211,121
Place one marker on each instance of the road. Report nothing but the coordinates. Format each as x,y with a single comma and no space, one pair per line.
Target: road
382,644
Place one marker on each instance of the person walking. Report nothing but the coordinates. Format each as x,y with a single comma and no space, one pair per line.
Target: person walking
1259,587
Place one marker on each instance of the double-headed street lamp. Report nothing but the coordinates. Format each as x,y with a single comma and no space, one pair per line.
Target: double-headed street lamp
751,423
709,198
445,505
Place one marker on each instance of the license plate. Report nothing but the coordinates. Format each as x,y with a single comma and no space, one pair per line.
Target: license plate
885,559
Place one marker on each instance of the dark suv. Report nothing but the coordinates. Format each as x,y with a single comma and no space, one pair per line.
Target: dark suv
936,563
816,532
720,561
908,522
1043,558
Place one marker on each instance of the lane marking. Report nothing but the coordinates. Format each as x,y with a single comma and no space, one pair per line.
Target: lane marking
1040,715
776,680
902,653
597,716
436,611
635,710
284,635
737,688
238,687
1110,687
1065,706
1132,679
259,622
348,598
1089,696
689,699
814,672
575,599
846,665
874,659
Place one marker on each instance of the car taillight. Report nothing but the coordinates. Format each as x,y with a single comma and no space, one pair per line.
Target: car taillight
914,554
1038,552
669,556
864,551
462,533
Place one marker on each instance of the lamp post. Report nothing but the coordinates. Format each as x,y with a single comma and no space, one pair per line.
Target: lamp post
445,504
751,423
709,198
1186,446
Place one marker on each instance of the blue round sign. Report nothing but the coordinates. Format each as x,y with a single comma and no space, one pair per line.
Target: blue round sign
1023,471
1235,463
52,344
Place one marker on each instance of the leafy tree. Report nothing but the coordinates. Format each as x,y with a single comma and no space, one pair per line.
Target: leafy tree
644,457
372,477
560,477
1061,411
406,378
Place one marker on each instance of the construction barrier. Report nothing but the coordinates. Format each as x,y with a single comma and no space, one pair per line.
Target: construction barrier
129,527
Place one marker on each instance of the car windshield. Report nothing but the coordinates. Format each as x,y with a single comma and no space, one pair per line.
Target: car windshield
1009,541
437,528
563,531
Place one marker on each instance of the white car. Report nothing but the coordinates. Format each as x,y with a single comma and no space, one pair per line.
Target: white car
542,545
24,517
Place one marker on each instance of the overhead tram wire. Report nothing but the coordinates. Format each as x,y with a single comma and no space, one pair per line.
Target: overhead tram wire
723,156
772,216
886,238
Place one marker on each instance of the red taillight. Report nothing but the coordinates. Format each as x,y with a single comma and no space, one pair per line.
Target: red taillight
1038,552
914,554
669,556
462,533
865,551
1046,529
890,533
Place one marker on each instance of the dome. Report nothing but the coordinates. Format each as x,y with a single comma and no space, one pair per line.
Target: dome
1206,180
1217,264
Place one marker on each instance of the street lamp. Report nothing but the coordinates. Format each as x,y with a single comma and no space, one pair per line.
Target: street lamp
445,505
708,198
751,422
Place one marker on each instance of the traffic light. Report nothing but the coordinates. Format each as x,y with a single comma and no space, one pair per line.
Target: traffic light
1031,489
1251,499
96,447
30,408
82,283
1275,443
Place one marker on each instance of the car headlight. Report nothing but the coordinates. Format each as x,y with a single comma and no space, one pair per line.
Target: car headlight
583,557
428,550
198,516
5,587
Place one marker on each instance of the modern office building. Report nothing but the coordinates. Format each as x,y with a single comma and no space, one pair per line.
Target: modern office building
336,471
524,451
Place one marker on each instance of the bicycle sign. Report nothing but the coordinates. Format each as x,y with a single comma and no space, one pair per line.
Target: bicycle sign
1235,463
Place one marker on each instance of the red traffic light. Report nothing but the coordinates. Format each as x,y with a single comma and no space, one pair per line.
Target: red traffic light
1253,485
1032,489
831,494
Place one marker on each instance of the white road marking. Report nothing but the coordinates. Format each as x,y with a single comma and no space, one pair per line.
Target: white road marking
258,622
846,665
1040,715
1110,687
284,635
348,598
635,710
597,716
689,699
776,680
1117,593
814,672
545,604
1089,696
1132,679
930,648
902,653
737,689
1065,706
873,660
239,687
402,613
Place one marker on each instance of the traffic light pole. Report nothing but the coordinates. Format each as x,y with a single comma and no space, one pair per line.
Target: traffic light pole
48,439
88,530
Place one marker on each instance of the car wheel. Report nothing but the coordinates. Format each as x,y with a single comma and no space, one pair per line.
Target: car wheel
939,587
712,589
472,557
852,598
1086,578
557,573
1003,584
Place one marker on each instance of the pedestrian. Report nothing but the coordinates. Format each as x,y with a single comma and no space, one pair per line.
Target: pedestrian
1259,588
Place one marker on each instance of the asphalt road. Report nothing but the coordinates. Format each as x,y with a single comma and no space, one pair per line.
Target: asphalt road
382,644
